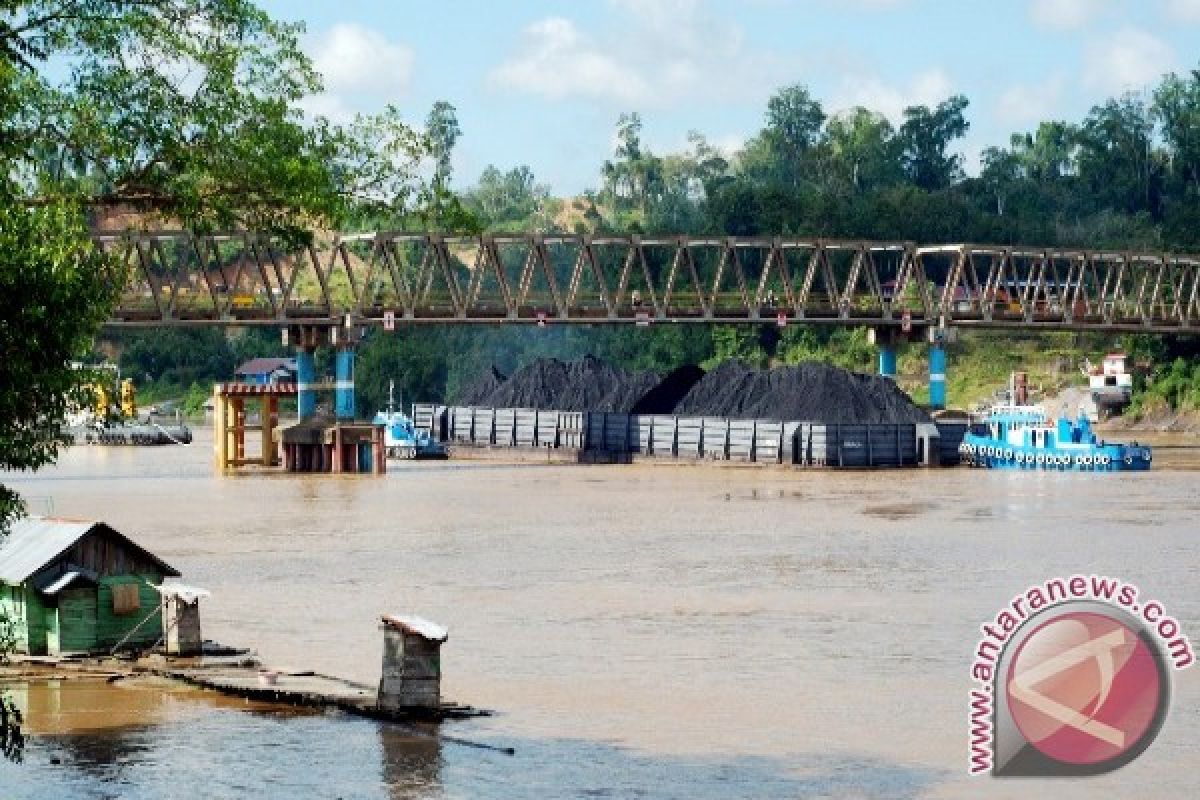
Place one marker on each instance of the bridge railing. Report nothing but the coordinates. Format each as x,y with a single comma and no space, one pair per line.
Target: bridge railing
247,278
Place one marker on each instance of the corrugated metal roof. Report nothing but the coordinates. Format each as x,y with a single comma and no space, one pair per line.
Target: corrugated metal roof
263,366
33,542
188,594
417,625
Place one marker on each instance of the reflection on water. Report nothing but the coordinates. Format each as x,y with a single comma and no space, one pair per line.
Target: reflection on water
189,743
642,630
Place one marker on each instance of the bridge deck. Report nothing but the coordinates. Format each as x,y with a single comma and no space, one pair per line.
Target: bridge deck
177,278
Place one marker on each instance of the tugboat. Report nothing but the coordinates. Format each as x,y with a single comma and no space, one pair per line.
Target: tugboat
1022,437
401,439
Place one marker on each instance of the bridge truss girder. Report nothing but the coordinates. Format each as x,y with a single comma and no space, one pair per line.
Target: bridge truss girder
244,278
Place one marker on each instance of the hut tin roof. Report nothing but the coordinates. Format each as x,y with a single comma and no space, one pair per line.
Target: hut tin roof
265,366
34,542
418,626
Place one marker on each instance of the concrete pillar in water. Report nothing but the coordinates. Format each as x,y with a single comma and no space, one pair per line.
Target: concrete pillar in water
887,361
887,341
343,403
306,380
937,375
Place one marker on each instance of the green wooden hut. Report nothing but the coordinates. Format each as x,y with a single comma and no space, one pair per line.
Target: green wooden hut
74,586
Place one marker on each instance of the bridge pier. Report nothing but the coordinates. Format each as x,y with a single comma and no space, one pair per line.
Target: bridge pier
937,376
938,339
888,342
308,339
343,399
317,443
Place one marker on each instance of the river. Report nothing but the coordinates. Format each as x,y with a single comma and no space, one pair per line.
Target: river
650,631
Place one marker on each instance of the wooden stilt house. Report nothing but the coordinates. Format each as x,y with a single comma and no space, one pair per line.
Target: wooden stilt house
75,586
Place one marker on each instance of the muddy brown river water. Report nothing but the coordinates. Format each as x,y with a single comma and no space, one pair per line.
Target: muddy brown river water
640,630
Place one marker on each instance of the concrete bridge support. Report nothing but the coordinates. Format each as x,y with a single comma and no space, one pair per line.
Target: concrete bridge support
887,361
937,376
938,339
306,379
888,341
343,403
308,339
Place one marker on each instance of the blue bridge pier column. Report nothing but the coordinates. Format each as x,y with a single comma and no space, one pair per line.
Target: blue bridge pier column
937,376
343,403
306,381
887,361
307,339
888,342
939,337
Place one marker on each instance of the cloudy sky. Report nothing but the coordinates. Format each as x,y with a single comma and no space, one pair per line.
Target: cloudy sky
541,83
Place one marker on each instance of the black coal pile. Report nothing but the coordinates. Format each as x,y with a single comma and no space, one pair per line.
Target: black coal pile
811,392
478,392
664,397
585,385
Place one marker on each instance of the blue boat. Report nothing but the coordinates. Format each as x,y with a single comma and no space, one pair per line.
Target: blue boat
1024,438
401,439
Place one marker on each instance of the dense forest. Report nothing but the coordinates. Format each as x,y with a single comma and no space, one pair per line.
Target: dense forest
1125,176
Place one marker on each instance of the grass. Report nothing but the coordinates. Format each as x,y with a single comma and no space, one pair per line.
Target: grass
980,363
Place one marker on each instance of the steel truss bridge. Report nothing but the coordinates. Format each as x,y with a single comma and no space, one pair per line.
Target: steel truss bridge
245,278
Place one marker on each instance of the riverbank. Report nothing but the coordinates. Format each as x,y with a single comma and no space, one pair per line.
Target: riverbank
1156,420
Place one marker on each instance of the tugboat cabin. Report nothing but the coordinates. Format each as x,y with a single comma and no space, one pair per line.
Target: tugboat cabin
75,586
1028,426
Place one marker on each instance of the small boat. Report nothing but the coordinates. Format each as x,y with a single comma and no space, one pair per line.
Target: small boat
401,439
1022,437
1111,384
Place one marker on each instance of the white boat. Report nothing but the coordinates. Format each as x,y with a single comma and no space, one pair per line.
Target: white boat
1111,384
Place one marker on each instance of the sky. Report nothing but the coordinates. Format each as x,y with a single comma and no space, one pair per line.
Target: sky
541,83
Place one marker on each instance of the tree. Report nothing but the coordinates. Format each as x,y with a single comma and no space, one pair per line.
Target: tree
513,197
1001,174
188,109
444,208
794,121
55,290
1117,162
634,172
1177,109
1048,155
925,140
863,152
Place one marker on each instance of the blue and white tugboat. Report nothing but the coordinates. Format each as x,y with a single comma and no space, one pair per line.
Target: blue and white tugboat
401,439
1023,437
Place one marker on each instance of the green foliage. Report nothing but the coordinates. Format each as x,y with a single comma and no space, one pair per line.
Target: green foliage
738,342
8,636
509,200
418,369
188,108
1174,386
55,290
794,123
925,141
176,357
848,348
